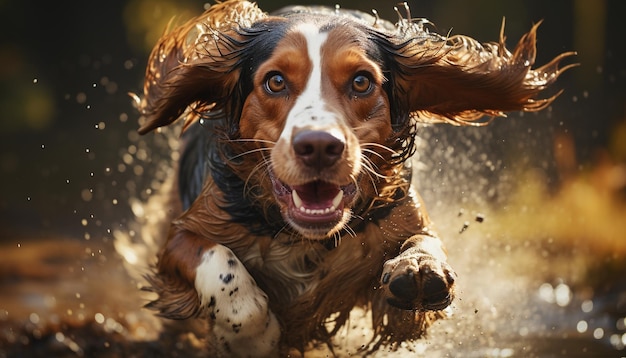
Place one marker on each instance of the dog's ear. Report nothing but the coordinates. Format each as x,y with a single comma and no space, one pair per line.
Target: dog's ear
196,66
459,80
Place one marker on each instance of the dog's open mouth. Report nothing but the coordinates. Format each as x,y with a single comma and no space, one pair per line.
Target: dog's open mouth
316,204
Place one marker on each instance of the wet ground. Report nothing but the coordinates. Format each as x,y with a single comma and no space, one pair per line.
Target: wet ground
81,302
522,291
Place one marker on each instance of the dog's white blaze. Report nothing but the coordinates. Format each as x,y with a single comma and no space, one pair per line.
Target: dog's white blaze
310,107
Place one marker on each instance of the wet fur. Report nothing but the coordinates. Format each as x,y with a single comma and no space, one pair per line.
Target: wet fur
204,74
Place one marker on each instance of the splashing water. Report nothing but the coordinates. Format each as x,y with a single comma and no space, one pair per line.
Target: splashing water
516,297
529,285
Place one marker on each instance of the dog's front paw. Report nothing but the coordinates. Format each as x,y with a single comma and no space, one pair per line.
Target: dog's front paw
417,281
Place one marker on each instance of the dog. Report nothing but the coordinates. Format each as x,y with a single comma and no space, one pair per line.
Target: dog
295,175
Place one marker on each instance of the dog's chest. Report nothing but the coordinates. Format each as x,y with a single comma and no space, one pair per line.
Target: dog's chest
288,270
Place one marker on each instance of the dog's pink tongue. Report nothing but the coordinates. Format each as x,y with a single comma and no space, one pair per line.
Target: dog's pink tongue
317,194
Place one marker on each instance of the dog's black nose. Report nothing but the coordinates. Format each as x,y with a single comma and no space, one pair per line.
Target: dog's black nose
318,149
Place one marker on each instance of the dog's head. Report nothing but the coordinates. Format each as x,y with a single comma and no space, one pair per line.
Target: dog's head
322,104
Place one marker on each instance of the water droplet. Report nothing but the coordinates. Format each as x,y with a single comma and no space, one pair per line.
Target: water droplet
546,292
616,341
598,333
34,318
81,98
86,194
562,295
127,158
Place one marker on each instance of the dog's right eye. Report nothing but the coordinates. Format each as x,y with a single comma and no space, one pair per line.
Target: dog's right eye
275,83
361,84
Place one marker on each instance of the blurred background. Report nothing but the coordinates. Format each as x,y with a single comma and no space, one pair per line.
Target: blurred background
531,207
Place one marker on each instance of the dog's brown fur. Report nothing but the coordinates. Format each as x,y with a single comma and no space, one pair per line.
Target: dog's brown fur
202,70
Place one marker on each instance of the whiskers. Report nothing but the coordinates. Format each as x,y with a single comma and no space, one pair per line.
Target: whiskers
370,168
258,173
375,183
348,229
269,146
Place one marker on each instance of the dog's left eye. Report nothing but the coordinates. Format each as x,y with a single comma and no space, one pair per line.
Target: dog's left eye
275,83
361,84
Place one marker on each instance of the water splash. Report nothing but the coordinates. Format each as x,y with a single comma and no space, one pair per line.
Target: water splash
517,296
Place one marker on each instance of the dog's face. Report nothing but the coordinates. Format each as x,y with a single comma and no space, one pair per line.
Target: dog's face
319,100
322,105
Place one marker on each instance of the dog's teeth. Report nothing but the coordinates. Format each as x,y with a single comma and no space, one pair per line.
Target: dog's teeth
337,199
296,199
297,202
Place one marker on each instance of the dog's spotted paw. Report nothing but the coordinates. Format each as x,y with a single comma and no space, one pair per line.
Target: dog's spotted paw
418,281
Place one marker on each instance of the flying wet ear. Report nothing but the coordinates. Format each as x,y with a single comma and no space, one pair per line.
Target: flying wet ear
195,67
459,80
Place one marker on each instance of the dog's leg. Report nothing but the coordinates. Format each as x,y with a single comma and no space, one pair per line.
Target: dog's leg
419,278
243,324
